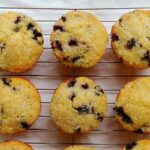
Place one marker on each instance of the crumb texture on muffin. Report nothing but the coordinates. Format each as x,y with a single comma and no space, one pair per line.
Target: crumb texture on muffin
78,105
19,105
21,42
130,38
133,105
14,145
79,39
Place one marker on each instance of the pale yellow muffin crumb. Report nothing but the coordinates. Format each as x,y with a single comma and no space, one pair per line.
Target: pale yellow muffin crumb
79,39
131,38
78,105
21,42
133,106
19,105
75,147
14,145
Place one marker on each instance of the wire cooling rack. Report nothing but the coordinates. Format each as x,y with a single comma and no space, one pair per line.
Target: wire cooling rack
110,73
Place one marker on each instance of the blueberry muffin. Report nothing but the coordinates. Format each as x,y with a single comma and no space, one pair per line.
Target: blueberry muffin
19,105
79,148
139,145
79,39
78,105
130,38
21,42
14,145
133,106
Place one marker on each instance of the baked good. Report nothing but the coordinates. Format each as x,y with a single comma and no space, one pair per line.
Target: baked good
19,105
75,147
79,39
133,106
14,145
21,42
78,105
130,38
139,145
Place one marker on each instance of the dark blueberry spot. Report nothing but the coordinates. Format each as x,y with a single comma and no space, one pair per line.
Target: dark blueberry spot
98,89
57,27
24,125
57,45
74,59
16,29
36,34
2,110
121,59
138,131
146,57
93,110
120,20
123,115
14,88
85,86
99,116
63,18
130,146
96,93
130,44
65,59
1,122
148,38
84,109
72,96
114,37
30,26
77,130
18,20
141,45
73,42
101,90
2,46
6,81
72,83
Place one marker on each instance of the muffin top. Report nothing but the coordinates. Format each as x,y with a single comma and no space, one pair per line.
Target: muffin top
19,105
79,39
21,42
133,105
78,105
130,38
